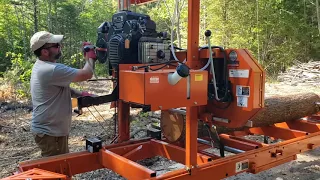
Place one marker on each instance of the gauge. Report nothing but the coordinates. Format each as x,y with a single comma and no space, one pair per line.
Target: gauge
233,56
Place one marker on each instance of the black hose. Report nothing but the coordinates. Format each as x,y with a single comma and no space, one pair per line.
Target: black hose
155,64
225,74
158,68
177,48
224,107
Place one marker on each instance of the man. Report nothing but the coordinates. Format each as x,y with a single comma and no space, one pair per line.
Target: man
51,93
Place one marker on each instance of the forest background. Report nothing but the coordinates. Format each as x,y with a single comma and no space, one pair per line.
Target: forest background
279,33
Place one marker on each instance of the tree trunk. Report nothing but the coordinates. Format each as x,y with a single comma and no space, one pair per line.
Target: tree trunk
283,108
55,17
277,109
22,29
203,22
257,14
318,15
178,11
9,30
49,17
224,17
35,17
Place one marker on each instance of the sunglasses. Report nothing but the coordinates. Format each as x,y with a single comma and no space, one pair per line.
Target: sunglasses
55,46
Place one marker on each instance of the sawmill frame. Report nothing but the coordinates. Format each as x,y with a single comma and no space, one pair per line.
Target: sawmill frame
299,136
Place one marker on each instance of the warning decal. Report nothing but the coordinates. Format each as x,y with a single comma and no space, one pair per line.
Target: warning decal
239,73
198,77
242,101
154,79
242,166
243,90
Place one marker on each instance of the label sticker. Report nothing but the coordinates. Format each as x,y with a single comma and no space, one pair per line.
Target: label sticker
242,165
198,77
242,101
154,79
243,90
239,73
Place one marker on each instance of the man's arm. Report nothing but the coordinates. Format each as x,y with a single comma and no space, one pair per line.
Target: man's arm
86,72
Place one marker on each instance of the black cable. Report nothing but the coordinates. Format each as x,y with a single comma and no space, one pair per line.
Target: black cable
168,64
97,120
225,74
177,48
155,64
158,68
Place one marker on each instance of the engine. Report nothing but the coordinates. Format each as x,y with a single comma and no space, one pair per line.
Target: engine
131,38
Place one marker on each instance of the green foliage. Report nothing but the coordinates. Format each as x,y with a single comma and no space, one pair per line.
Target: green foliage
277,32
101,70
144,114
19,74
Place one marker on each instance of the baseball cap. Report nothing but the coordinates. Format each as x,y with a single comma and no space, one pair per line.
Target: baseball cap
42,37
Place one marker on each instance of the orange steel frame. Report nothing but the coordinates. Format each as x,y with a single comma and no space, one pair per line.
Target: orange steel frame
300,135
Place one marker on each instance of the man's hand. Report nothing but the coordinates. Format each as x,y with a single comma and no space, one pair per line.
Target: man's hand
88,70
89,51
76,93
85,93
90,55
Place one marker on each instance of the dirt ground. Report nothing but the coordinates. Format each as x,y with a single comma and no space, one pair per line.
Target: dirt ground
17,143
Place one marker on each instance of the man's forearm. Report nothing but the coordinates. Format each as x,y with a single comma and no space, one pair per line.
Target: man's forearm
89,66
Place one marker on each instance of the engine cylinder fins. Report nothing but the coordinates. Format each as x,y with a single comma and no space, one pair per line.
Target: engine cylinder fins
116,46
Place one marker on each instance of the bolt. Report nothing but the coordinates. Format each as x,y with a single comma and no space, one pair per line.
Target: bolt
195,103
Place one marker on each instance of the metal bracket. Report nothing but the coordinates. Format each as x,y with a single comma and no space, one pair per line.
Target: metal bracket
214,136
249,124
87,101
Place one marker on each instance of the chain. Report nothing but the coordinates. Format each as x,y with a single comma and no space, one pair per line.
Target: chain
97,120
99,113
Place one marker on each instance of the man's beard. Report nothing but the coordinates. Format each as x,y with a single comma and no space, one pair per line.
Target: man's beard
55,57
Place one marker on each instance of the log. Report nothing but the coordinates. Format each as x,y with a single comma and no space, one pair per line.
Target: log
277,109
283,108
287,108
